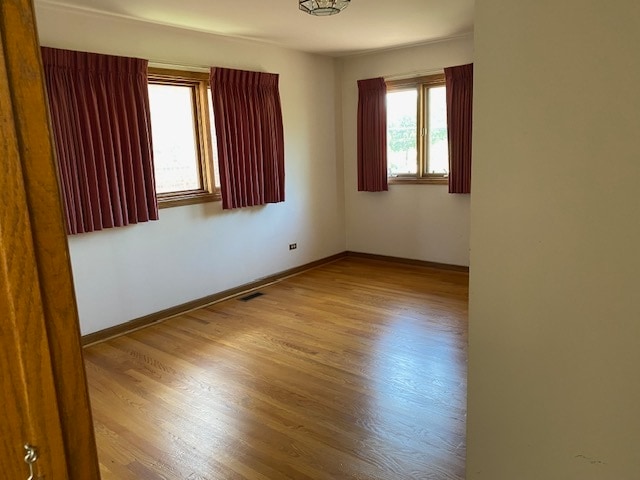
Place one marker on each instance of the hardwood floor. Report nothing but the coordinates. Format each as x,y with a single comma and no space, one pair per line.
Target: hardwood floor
354,370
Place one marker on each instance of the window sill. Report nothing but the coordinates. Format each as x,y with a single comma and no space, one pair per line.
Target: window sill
186,198
418,181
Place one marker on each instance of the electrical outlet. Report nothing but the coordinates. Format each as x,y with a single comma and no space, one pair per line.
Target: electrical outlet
293,246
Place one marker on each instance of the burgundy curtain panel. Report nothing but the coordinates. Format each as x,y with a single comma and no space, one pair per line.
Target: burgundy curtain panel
459,81
372,135
99,107
248,120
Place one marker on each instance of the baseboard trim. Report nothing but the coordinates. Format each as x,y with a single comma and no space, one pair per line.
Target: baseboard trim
157,317
408,261
153,318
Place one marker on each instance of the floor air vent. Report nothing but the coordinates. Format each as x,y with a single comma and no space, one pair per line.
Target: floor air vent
251,296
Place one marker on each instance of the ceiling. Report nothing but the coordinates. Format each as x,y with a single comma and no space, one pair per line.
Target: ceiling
365,25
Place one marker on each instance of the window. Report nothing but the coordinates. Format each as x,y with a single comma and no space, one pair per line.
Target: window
183,137
417,144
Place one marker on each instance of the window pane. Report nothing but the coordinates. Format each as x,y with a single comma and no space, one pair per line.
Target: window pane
438,144
214,141
402,132
177,167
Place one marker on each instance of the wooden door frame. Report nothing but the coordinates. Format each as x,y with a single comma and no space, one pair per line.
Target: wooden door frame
26,93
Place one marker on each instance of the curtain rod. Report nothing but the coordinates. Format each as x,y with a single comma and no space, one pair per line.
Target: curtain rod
419,73
205,69
176,66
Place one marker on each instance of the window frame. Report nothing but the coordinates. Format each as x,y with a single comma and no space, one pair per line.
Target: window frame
422,85
199,83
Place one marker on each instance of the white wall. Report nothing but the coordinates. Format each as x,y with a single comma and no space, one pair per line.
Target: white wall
422,222
554,335
195,251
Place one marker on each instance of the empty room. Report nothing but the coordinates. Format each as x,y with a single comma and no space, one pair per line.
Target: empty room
350,239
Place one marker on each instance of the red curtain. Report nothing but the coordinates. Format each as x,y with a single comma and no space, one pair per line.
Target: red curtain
99,107
459,82
248,120
372,135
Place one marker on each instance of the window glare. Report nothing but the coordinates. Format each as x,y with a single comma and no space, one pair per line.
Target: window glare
174,140
402,132
438,143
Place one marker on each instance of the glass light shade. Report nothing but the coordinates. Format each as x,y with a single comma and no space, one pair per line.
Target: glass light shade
323,7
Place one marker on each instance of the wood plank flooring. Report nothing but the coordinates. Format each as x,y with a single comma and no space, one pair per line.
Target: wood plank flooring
354,370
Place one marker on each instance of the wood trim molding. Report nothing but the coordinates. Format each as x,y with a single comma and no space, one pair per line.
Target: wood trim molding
198,85
408,261
162,315
23,82
418,180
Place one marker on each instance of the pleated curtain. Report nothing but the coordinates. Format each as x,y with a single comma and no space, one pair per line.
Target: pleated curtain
372,135
100,118
248,121
459,82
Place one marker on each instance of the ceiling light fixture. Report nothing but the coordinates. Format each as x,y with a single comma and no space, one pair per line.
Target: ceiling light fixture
323,8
